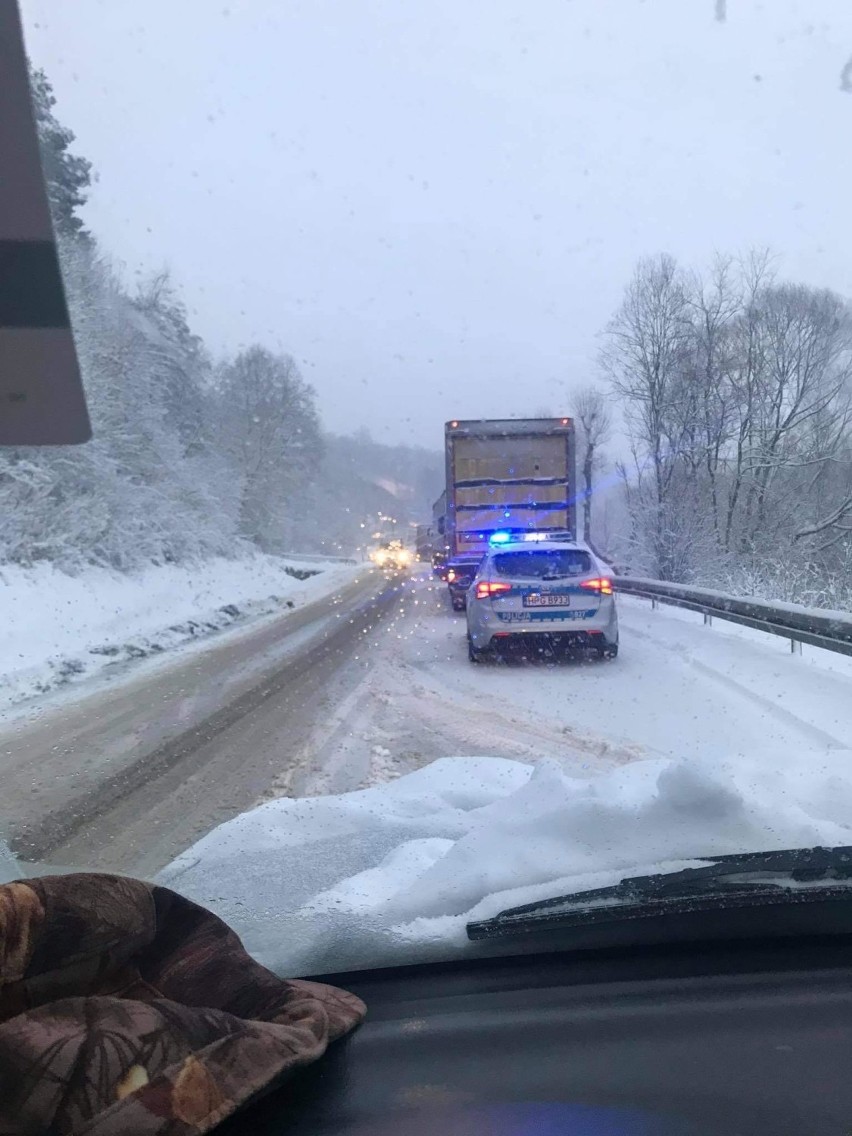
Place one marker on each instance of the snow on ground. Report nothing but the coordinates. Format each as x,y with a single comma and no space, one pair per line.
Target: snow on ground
57,628
696,741
678,689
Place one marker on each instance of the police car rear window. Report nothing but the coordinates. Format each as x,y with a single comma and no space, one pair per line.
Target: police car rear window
538,564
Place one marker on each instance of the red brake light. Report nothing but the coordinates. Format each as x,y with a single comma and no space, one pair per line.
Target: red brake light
451,575
486,588
601,585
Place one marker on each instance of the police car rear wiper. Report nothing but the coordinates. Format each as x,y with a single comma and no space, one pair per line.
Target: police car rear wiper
799,875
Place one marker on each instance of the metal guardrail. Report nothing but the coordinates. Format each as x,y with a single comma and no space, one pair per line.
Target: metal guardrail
830,630
318,558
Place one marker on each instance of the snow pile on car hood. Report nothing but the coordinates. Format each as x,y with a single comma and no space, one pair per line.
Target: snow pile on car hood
392,874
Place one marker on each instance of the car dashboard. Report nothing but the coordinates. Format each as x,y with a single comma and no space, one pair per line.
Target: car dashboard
718,1040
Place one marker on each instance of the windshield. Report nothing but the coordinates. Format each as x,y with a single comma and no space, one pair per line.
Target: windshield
541,565
359,291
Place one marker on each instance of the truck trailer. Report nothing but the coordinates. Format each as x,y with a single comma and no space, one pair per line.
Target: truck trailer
513,476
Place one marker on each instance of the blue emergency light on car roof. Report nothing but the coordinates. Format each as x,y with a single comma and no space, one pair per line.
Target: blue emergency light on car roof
506,537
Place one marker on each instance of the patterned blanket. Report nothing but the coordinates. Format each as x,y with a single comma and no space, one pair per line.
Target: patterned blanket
125,1009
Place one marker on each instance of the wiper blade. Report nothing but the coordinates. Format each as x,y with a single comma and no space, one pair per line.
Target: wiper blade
797,875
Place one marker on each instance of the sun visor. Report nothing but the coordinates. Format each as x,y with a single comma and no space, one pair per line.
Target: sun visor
41,394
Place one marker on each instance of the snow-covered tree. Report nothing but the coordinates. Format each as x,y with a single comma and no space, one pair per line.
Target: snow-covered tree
736,393
594,422
68,175
269,429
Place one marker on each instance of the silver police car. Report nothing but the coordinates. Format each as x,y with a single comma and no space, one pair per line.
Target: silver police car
543,595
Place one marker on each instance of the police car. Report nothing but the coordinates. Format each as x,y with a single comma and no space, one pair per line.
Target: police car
545,595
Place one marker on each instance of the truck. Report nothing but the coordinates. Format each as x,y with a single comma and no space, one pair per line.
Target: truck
423,542
429,544
513,476
440,548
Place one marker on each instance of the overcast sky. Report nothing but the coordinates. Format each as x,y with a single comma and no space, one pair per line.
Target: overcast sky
434,205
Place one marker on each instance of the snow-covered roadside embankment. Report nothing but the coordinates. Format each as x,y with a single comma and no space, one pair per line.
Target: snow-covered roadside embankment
57,628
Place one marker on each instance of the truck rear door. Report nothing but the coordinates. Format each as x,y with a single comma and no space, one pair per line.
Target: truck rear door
516,482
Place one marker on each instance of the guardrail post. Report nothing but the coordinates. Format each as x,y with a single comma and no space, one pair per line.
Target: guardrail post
653,603
795,646
708,619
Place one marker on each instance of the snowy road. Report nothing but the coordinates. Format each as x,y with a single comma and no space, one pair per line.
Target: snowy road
679,689
391,689
170,746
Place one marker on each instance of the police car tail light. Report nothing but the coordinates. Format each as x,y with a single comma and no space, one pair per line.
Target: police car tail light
487,588
601,585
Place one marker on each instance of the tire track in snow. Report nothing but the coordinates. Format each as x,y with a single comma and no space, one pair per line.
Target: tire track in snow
418,701
809,731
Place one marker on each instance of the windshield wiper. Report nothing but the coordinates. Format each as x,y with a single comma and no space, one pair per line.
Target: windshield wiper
799,875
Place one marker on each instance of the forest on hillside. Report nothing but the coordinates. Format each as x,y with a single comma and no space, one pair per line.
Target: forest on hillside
192,456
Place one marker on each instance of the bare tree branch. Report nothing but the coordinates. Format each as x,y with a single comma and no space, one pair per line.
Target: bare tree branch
593,415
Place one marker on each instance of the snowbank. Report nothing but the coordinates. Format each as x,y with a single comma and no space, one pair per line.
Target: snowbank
392,874
56,628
